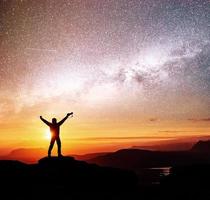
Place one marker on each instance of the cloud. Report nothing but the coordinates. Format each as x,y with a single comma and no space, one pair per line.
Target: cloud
121,138
174,131
153,119
199,120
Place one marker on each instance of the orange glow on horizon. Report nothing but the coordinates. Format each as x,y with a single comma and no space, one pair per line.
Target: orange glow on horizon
81,135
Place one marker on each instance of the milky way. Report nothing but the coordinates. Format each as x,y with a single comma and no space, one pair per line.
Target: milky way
149,56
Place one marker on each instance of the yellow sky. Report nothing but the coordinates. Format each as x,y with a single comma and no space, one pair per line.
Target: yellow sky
85,135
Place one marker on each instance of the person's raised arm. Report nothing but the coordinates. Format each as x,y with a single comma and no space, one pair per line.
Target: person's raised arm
45,121
65,118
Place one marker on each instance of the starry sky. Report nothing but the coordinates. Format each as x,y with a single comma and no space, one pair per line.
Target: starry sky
130,70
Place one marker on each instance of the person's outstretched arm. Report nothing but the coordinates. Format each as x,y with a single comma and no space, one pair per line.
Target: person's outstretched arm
65,118
45,121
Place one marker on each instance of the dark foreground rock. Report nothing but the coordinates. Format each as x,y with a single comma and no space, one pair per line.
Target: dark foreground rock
63,178
69,179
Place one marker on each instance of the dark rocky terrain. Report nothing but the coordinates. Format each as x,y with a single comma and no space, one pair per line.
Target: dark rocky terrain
125,178
61,178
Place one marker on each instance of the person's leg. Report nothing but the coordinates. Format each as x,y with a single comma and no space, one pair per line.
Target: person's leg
59,146
51,146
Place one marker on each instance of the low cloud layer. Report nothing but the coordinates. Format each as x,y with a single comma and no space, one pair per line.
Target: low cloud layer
199,120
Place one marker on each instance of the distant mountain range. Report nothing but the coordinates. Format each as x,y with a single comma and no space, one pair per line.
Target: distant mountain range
28,155
181,144
31,155
146,156
136,158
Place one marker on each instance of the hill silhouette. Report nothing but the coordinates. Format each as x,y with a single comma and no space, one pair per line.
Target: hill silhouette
57,178
201,147
28,155
135,159
89,156
180,144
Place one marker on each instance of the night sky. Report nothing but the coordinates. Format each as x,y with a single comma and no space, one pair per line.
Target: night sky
125,67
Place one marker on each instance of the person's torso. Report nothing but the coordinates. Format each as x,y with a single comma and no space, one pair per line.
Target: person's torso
55,129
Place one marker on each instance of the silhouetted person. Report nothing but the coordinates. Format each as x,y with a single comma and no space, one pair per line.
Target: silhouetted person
55,132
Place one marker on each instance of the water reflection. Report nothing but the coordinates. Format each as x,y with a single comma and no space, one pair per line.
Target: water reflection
148,176
163,171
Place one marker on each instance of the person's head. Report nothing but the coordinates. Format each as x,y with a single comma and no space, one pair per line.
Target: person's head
54,120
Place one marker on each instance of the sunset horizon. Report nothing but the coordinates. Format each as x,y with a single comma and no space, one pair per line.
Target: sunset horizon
132,72
104,99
